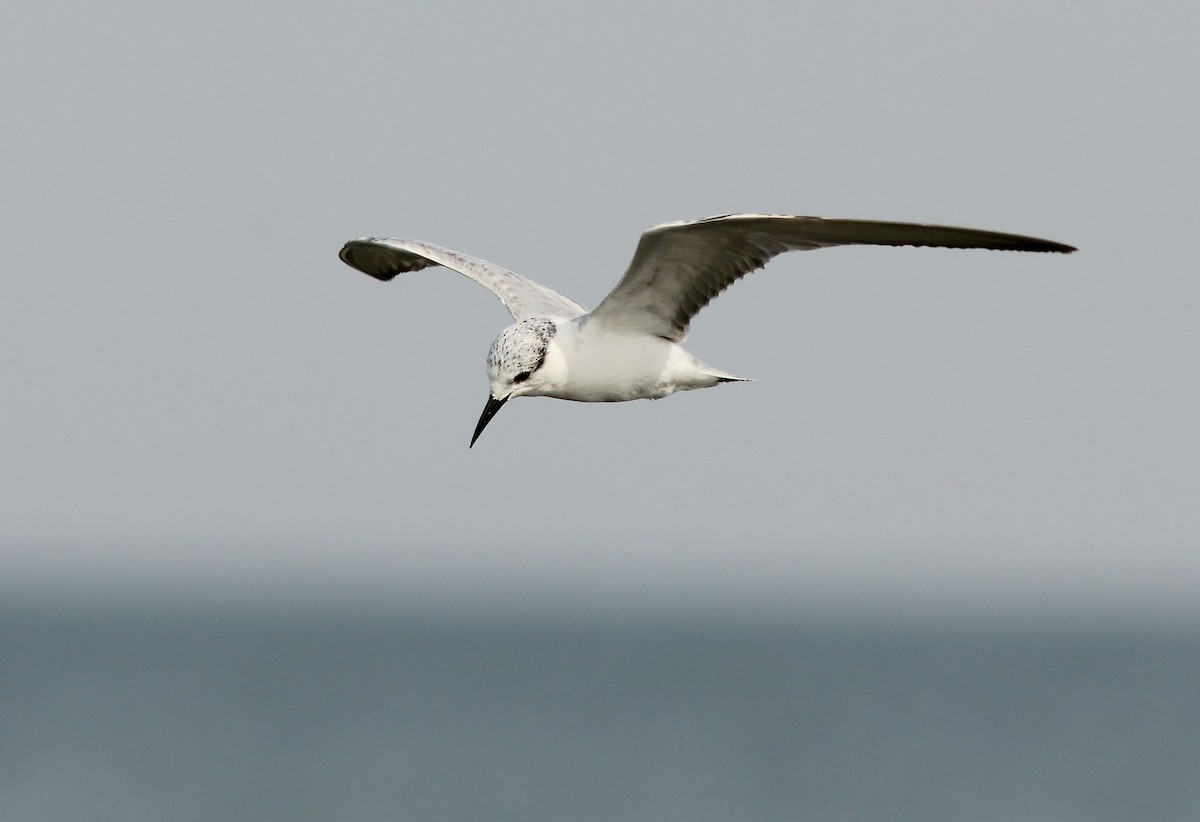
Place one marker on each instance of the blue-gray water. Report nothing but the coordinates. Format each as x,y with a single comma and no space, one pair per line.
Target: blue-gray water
180,717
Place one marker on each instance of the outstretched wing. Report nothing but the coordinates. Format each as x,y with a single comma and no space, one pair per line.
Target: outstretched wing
383,259
679,267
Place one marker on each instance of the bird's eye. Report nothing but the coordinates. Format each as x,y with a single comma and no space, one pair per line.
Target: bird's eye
524,375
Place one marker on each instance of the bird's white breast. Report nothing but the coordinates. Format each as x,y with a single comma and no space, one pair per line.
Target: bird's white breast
614,367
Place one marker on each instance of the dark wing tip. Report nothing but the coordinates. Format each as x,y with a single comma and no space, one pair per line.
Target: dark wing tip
1038,244
383,262
930,235
828,231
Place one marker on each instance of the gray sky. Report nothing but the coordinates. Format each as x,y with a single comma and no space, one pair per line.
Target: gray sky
200,399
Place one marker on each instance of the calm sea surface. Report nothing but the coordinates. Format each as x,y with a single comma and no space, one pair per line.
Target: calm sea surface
128,717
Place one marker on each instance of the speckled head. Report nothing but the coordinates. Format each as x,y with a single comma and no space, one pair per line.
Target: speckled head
514,358
517,354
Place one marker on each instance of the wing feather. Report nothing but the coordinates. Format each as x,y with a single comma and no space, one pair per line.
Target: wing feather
383,259
679,268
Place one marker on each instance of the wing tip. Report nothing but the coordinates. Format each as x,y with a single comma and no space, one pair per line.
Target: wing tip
375,257
1037,244
1010,242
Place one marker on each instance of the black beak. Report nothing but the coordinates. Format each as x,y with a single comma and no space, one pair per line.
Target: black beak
489,411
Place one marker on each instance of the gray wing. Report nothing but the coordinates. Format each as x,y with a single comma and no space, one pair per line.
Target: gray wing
383,259
679,267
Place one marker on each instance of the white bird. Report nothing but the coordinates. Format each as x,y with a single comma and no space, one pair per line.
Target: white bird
629,347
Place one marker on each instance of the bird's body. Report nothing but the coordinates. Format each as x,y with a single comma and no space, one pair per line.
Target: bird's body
630,347
589,365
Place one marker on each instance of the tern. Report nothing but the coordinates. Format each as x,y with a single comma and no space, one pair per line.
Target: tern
629,347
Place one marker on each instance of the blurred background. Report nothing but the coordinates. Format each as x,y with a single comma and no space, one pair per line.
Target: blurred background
937,562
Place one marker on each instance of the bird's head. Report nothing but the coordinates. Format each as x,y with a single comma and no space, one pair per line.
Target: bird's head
514,363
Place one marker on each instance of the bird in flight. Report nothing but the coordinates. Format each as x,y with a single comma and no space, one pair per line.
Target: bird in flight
630,346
